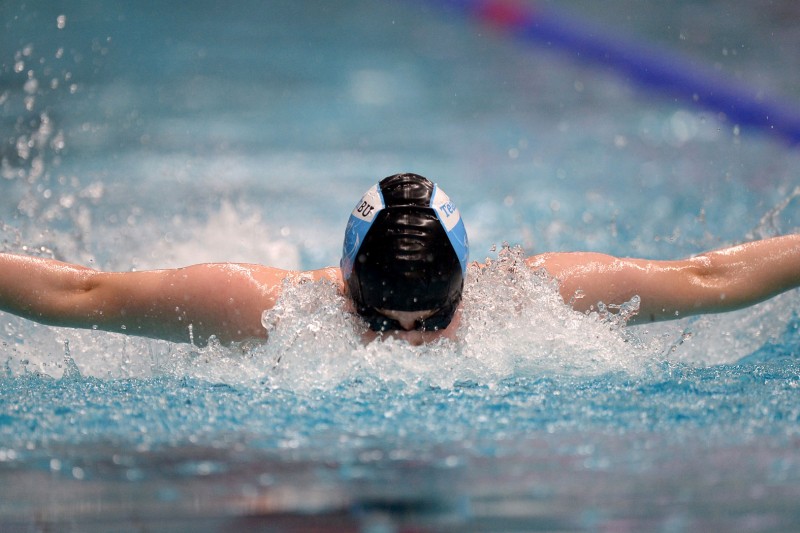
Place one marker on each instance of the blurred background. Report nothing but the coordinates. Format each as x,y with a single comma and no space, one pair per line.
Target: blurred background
156,134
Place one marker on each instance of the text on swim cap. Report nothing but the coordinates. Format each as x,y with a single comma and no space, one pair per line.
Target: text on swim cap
365,209
447,209
369,205
451,220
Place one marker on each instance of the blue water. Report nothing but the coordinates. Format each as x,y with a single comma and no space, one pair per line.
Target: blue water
152,135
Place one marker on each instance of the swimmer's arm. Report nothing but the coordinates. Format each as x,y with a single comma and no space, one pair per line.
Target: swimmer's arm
713,282
225,300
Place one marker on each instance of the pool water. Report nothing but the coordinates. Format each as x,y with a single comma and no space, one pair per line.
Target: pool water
148,135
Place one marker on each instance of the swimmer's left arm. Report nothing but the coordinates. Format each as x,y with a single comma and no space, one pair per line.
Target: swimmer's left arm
718,281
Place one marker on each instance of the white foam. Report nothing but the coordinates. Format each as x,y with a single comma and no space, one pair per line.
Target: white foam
230,234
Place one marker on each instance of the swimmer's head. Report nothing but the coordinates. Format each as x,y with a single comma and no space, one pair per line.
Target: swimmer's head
405,249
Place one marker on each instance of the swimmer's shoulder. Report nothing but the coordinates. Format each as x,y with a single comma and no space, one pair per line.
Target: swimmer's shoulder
273,276
269,275
553,263
330,274
560,265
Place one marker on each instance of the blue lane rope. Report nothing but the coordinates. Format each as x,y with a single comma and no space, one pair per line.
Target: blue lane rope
645,64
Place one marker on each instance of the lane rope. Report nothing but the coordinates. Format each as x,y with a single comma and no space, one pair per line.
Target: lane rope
658,69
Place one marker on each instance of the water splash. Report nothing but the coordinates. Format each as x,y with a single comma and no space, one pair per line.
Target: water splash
232,232
71,370
775,220
514,324
517,324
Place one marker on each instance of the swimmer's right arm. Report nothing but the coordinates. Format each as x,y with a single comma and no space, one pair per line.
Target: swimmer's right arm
183,305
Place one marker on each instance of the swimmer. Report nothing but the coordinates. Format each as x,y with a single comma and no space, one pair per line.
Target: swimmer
403,267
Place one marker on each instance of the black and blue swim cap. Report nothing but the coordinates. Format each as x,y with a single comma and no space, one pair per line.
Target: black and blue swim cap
405,249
